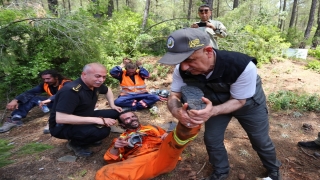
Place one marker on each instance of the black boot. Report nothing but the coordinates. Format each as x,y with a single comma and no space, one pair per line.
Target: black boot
82,151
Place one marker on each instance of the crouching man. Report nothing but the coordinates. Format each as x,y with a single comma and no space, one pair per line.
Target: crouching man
73,116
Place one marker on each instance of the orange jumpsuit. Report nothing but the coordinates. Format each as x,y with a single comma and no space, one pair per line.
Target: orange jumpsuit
150,159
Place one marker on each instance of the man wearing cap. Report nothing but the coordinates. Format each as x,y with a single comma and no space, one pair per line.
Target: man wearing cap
231,88
214,28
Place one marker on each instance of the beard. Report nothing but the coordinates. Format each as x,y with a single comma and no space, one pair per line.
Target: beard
134,124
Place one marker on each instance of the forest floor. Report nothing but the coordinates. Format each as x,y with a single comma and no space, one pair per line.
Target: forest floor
285,131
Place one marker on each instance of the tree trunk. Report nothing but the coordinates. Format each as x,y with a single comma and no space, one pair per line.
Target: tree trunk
69,5
297,15
218,8
174,12
279,21
282,21
52,5
316,37
189,10
235,3
311,19
145,14
127,3
293,14
81,3
117,2
63,4
284,10
110,9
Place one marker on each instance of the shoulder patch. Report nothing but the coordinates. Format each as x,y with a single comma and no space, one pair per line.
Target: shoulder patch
77,87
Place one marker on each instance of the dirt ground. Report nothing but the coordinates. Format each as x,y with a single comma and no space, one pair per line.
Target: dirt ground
285,130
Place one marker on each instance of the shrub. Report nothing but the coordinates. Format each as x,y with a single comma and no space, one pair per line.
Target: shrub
287,100
314,65
314,52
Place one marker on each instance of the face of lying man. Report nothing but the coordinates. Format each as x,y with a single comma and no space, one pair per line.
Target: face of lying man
129,120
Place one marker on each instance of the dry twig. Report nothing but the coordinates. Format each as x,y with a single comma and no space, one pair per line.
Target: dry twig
307,153
201,168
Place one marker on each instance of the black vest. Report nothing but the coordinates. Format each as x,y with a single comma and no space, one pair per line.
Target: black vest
228,67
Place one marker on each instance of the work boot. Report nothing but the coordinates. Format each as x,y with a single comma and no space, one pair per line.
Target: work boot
9,124
46,129
309,145
79,150
274,175
215,176
192,95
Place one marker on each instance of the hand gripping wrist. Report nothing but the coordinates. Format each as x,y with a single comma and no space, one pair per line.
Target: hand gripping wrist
103,121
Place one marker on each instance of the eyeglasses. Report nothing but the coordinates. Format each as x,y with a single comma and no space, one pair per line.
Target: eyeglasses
205,10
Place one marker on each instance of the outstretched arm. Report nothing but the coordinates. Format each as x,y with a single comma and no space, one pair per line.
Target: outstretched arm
110,99
63,118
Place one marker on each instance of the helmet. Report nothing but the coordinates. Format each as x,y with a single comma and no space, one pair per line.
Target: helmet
135,138
164,93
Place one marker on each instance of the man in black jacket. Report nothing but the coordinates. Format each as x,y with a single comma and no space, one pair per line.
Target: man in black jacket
73,115
228,85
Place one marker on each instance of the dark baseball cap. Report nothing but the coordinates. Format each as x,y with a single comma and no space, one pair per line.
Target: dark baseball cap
182,43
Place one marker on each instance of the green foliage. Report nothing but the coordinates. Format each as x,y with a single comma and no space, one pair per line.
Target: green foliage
98,7
294,36
287,100
262,42
314,52
30,46
120,32
32,148
258,37
314,65
5,153
162,71
265,43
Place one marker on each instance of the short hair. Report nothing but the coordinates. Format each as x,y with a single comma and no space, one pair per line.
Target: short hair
123,112
53,73
89,66
131,66
204,5
126,58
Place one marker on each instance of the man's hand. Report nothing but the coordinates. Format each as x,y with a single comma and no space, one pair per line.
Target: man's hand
121,142
108,121
13,105
45,102
201,116
182,115
117,108
210,25
193,118
194,25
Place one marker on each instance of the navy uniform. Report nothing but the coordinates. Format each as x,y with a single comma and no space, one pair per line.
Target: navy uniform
77,99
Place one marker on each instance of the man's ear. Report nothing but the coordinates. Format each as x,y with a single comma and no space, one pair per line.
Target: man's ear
208,49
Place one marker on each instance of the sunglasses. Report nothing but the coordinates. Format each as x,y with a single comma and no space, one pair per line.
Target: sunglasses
205,10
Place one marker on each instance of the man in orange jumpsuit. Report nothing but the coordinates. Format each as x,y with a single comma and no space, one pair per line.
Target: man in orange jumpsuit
144,152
